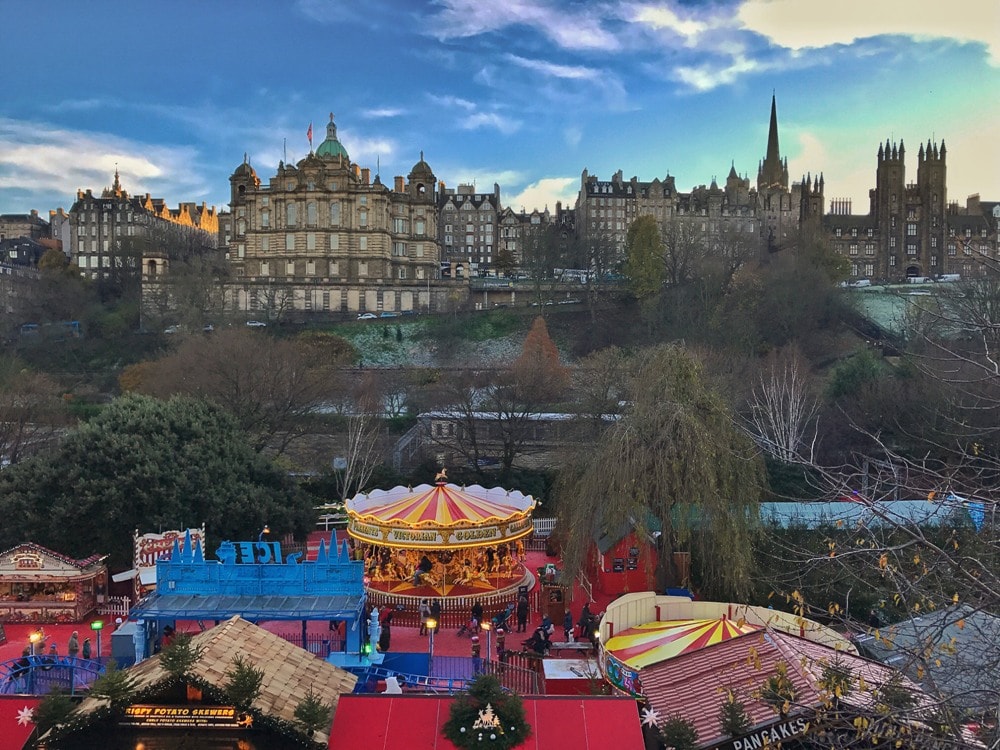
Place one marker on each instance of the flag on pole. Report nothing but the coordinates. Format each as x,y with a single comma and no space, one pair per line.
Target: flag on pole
309,135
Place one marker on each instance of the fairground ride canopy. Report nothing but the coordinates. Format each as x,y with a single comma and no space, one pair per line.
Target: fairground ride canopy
442,516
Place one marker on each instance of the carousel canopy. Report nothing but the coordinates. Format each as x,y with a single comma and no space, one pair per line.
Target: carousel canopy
443,516
654,642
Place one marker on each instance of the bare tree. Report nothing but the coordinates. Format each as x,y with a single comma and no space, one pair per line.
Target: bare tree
783,407
31,411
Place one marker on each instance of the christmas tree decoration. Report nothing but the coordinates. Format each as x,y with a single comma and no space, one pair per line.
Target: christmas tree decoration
487,716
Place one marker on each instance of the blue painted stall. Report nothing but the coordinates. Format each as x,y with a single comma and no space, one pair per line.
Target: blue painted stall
253,580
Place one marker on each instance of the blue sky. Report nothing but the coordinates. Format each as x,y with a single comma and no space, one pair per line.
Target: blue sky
524,93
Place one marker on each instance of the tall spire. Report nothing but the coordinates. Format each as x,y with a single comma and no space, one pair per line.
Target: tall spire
772,168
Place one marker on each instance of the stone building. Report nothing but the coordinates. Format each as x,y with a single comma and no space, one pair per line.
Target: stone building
773,211
101,226
468,230
911,230
324,236
30,226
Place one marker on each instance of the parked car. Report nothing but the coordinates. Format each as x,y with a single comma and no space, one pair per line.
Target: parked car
388,314
208,328
367,316
170,330
256,324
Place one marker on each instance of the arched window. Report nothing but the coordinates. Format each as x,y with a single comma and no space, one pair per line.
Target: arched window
290,215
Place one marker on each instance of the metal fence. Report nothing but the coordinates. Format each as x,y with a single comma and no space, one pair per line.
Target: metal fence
455,611
318,645
115,606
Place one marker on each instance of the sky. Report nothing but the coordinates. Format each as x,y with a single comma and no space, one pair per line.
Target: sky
525,93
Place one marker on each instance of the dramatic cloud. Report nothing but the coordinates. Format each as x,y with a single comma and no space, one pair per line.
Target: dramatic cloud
793,24
662,17
574,72
383,112
710,75
545,194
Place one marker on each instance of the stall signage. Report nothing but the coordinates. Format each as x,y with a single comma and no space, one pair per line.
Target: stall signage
151,547
223,717
249,553
621,675
618,565
769,736
414,536
28,561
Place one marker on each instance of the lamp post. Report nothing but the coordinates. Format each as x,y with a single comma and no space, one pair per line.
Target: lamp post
34,638
431,626
263,532
488,627
97,626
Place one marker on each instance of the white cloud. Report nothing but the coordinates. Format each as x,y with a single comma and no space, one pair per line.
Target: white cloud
367,149
572,135
662,17
711,75
796,24
545,193
383,112
36,157
495,120
448,101
579,28
574,72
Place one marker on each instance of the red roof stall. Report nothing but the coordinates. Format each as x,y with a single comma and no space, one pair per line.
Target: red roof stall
416,722
624,563
39,585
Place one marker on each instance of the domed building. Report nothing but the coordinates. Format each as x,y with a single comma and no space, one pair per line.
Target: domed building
323,235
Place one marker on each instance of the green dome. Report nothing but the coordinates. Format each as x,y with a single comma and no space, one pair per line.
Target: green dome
331,146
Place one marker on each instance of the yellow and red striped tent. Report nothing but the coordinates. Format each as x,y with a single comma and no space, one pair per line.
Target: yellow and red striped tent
653,642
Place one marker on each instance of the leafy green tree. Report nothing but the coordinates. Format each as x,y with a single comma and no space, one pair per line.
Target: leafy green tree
116,686
644,261
677,465
53,710
179,656
146,464
733,717
243,681
679,733
313,714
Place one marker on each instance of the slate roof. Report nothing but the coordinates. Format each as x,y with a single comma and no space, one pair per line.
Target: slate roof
963,647
694,685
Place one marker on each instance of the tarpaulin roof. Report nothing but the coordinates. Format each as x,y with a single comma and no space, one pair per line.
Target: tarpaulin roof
16,722
416,722
442,505
263,607
654,642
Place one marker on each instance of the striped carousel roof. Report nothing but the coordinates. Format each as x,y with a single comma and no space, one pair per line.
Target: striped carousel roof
441,505
653,642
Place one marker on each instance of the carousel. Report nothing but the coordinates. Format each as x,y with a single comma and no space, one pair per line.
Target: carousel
441,540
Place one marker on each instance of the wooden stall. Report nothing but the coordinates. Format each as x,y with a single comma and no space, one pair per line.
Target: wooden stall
39,585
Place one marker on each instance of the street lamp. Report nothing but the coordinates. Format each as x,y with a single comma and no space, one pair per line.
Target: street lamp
263,532
488,627
97,626
35,638
431,626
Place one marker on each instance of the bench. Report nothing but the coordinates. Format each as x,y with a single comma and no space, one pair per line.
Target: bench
559,646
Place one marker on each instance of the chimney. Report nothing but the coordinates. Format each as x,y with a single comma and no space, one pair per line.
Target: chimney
398,184
366,175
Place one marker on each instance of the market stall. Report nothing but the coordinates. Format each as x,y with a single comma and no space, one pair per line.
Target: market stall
39,585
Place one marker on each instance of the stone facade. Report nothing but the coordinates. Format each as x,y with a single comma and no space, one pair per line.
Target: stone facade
772,211
99,226
323,236
29,225
468,230
910,230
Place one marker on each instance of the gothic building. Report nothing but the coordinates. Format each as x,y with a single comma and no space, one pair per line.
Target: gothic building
323,235
467,229
772,212
910,230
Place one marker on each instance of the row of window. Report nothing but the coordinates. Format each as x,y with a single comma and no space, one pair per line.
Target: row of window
311,268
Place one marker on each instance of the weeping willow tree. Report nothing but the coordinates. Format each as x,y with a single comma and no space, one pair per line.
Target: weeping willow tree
676,467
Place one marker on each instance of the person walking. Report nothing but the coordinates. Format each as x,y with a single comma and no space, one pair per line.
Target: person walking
585,621
425,613
568,626
73,647
477,611
477,661
86,648
386,633
522,613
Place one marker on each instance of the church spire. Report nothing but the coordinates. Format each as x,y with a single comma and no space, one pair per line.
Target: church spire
771,172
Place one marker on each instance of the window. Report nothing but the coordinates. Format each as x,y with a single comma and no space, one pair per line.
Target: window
363,200
911,230
892,260
265,269
934,260
838,232
334,268
363,219
853,249
363,268
399,249
264,200
911,248
241,250
311,241
265,244
362,243
871,232
869,269
870,248
311,214
289,241
951,248
402,273
310,268
892,242
326,300
290,268
333,185
420,227
854,231
265,219
335,242
399,226
81,261
933,241
290,216
420,250
335,214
